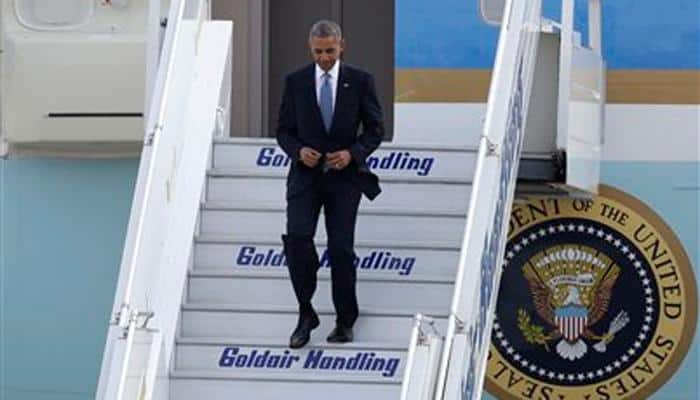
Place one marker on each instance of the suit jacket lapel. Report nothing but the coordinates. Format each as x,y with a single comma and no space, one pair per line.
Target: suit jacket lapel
340,95
310,91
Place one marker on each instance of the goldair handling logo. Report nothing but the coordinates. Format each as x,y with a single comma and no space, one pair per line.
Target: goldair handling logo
597,301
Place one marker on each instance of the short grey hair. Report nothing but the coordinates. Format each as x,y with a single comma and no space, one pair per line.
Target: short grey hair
325,28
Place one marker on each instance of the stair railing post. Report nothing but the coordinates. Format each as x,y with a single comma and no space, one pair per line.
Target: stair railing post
423,357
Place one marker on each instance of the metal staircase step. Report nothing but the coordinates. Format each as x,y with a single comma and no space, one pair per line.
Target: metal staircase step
428,244
402,194
275,343
229,206
374,259
269,223
368,360
233,375
251,156
282,274
257,141
276,290
258,321
416,181
216,385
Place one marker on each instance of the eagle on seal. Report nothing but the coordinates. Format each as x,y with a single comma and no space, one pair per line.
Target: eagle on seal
572,314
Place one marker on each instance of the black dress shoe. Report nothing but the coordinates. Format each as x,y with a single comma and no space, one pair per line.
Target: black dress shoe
340,334
301,335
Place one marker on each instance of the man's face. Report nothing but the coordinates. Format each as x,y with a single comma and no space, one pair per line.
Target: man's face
326,51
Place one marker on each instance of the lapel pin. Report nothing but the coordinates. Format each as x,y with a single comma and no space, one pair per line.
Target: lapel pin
346,85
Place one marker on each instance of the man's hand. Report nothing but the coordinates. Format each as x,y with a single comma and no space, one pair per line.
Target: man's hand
338,160
309,156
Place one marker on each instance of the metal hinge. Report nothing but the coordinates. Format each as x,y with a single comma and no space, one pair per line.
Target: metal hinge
151,135
220,122
492,149
459,325
421,321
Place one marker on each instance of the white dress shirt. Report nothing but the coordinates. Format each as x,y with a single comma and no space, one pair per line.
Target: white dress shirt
334,72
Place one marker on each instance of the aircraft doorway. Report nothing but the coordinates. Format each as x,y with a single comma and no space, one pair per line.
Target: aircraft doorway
270,40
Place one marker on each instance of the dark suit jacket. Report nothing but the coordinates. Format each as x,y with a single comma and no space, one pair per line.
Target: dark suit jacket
300,125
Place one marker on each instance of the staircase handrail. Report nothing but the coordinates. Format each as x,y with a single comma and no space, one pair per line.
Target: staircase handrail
185,106
473,306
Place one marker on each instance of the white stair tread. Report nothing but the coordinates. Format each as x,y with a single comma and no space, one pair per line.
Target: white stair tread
385,145
393,294
211,387
392,263
268,342
277,322
334,363
264,187
222,206
392,244
280,377
404,226
447,148
284,275
221,387
281,175
262,309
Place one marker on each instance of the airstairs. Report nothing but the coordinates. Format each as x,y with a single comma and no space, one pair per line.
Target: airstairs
204,307
239,309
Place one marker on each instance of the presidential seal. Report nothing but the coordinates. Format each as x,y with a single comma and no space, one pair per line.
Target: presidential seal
597,301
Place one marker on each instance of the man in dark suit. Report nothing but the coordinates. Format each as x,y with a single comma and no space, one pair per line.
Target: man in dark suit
322,108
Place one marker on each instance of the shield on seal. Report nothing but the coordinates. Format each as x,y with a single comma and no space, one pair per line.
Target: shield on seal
571,320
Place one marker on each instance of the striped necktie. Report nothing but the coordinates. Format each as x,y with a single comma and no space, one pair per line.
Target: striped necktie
327,102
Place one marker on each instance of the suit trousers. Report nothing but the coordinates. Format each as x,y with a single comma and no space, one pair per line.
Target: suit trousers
340,199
